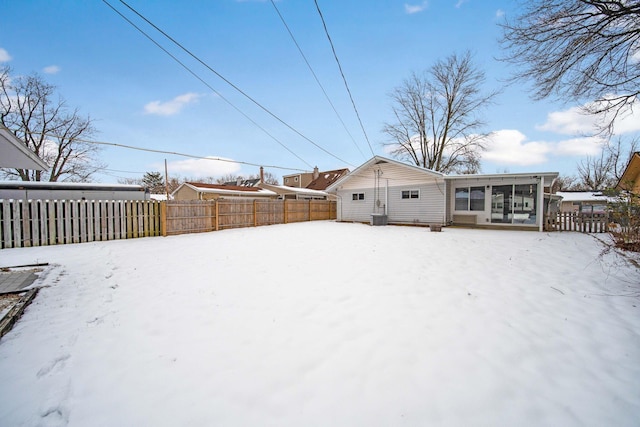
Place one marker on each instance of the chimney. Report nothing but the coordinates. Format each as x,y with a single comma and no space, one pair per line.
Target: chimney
316,173
239,181
261,175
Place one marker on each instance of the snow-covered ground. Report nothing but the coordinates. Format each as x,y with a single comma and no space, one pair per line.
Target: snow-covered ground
327,324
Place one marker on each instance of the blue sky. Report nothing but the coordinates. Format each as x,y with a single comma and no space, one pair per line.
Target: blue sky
139,96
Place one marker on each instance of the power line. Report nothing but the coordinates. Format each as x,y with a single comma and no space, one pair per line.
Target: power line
344,79
175,153
316,77
206,84
230,83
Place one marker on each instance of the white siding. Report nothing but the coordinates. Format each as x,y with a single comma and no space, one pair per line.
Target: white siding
356,210
428,208
382,184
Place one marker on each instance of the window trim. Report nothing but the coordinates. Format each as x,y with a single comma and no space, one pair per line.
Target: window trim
469,189
357,197
411,194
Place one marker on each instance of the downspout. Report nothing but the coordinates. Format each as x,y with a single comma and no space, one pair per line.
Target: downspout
386,197
444,210
540,206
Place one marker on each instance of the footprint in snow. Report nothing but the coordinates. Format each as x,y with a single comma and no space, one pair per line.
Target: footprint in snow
58,362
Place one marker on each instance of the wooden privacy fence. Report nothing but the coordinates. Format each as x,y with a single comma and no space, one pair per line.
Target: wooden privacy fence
55,222
197,216
573,221
52,222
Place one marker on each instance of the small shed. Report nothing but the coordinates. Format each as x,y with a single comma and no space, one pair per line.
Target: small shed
42,190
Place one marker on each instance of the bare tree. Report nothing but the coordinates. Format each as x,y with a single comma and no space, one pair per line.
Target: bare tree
30,108
437,118
594,172
564,183
578,50
604,171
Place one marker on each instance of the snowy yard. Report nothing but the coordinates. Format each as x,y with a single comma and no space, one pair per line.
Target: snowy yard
327,324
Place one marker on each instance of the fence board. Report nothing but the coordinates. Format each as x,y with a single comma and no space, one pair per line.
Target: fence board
50,222
573,221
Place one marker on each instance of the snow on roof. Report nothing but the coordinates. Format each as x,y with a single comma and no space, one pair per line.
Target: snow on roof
296,190
68,185
582,196
229,189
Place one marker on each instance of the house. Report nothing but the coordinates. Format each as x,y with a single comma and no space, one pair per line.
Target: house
44,190
400,193
630,180
315,180
299,180
322,180
407,194
202,191
15,154
586,202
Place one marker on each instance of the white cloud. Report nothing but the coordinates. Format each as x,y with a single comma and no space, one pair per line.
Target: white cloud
201,168
575,122
587,146
4,55
499,13
460,3
415,8
172,107
51,69
510,147
569,122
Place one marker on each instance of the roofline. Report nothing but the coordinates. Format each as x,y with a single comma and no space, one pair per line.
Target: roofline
18,144
296,190
618,184
376,159
47,185
504,175
251,191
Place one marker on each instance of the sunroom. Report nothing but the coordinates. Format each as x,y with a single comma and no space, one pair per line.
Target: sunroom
510,200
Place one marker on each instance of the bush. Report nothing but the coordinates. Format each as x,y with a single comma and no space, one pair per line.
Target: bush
625,212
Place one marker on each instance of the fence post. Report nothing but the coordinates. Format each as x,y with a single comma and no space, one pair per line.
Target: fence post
286,211
309,209
255,212
163,218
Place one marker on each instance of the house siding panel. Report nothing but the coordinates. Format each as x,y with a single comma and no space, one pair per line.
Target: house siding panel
428,208
356,210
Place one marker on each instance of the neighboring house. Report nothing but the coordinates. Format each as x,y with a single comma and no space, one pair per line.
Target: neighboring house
299,180
15,154
202,191
294,193
586,202
409,194
630,180
44,190
315,180
322,180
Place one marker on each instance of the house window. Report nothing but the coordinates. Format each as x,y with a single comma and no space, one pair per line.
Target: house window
286,180
469,199
295,179
357,196
410,194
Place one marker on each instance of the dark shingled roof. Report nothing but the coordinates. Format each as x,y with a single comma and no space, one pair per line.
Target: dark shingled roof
326,179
